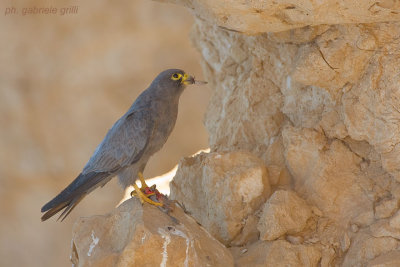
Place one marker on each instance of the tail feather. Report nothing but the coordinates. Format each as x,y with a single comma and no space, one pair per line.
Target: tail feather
74,193
70,207
53,211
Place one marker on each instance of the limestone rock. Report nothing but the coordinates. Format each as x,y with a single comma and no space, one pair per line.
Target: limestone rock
395,221
319,104
316,84
280,253
249,233
136,235
337,191
283,213
386,208
369,115
390,259
365,248
383,228
274,16
221,191
258,96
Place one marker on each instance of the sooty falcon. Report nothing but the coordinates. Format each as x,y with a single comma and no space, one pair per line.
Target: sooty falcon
129,144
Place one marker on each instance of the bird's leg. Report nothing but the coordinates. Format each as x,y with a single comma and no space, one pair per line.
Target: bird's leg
144,192
148,191
142,181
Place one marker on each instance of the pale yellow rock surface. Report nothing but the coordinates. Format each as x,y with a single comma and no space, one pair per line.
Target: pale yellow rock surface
221,191
142,235
394,222
327,175
280,253
266,15
319,106
317,82
365,248
284,213
390,259
384,228
386,208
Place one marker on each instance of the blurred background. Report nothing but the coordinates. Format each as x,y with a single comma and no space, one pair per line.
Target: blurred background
64,80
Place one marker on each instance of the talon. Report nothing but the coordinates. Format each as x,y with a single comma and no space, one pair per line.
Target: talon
145,192
133,193
145,197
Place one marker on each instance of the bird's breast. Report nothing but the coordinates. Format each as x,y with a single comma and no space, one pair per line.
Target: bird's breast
164,122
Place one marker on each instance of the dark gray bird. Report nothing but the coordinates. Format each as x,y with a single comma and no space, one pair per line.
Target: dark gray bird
129,144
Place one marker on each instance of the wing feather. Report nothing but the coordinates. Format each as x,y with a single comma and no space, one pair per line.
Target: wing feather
124,143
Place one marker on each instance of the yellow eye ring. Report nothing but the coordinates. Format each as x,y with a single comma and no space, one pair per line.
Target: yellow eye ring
176,76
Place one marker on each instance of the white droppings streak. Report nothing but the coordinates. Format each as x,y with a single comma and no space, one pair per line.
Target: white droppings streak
183,235
95,241
70,255
167,238
143,238
272,140
289,82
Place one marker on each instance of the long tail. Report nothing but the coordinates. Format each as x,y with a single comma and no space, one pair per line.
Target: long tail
74,193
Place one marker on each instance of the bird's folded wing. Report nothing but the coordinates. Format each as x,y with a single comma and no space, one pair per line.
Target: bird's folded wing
124,143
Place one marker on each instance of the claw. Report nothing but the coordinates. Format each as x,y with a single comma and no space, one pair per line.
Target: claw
144,192
144,197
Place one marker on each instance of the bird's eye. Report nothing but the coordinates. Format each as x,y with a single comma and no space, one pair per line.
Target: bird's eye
176,76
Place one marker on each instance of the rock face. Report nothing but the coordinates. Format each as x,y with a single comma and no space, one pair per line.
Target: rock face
222,191
280,253
284,212
304,166
136,235
313,92
259,16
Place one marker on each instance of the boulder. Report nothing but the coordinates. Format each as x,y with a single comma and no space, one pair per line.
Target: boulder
222,191
280,253
143,235
366,248
284,213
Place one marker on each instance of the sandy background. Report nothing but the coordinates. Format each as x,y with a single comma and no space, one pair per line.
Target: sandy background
64,80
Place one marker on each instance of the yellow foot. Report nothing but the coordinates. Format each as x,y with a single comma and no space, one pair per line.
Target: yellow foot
141,179
145,192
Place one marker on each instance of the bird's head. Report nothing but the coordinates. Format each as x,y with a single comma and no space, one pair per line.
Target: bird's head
173,81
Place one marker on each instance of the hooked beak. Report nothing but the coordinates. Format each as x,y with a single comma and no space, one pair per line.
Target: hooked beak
188,79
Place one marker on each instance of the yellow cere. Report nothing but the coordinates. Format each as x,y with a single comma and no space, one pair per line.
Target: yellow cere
184,79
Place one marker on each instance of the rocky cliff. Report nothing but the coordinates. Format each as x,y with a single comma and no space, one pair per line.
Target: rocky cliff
304,167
